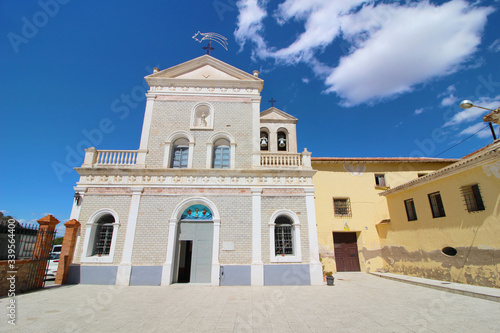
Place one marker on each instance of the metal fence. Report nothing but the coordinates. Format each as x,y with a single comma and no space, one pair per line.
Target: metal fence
39,260
24,239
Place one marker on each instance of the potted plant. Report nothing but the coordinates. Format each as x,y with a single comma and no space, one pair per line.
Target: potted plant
329,278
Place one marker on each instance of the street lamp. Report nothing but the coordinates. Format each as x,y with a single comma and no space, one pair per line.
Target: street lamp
466,104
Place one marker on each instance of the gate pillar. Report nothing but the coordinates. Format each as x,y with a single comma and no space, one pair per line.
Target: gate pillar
42,249
67,250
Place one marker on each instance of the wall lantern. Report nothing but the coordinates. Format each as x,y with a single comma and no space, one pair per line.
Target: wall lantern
78,198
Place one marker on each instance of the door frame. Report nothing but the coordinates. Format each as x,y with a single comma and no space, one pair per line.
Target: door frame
356,234
168,270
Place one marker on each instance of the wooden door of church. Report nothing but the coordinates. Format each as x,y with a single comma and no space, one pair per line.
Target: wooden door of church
346,251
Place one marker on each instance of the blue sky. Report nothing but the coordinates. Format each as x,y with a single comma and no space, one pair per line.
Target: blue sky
365,78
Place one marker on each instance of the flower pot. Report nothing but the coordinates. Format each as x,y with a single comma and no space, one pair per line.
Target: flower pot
329,280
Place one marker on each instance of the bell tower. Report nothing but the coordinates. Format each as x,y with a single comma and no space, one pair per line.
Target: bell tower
278,132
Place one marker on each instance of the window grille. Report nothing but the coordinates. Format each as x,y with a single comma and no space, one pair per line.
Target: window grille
472,197
283,237
342,207
103,235
411,213
436,203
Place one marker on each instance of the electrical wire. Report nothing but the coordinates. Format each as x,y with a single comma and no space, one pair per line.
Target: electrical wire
467,138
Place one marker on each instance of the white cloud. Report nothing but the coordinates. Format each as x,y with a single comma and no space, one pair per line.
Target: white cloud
495,46
394,47
450,98
415,44
305,80
473,113
27,222
464,116
5,212
419,111
485,133
250,22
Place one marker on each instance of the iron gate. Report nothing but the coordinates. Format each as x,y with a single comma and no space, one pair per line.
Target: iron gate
39,260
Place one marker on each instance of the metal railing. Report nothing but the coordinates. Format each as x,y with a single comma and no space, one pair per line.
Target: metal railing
24,239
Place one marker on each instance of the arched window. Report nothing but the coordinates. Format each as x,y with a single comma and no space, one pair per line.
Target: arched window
103,235
283,236
100,237
222,154
282,141
180,154
284,233
221,151
264,141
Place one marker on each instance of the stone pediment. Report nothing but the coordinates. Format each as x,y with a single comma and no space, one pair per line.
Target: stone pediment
204,71
274,115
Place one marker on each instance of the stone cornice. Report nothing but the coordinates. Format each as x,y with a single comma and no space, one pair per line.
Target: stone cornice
141,171
194,181
191,85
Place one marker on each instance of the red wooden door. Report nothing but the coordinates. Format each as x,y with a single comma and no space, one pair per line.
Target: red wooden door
346,251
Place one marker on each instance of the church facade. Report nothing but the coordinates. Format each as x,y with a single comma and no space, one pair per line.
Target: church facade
217,192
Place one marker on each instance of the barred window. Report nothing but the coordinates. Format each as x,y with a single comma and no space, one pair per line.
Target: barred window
473,199
283,236
342,207
436,203
411,213
103,235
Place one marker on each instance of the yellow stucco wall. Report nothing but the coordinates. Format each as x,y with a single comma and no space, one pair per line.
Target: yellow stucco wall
333,180
415,248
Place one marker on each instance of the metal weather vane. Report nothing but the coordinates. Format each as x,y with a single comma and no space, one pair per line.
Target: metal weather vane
211,36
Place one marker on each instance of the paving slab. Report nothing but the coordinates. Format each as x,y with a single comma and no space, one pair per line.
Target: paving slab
491,294
358,302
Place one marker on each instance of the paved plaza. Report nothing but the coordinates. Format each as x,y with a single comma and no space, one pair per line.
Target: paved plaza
358,302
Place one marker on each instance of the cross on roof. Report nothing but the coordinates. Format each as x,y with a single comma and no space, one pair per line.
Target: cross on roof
272,101
208,47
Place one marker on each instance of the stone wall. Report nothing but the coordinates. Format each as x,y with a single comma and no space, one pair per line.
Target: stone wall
22,267
276,199
172,116
91,204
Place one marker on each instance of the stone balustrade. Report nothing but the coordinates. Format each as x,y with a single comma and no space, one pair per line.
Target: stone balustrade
137,158
99,158
286,160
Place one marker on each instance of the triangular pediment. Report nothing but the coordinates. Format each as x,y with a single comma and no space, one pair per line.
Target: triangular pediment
274,115
203,69
207,72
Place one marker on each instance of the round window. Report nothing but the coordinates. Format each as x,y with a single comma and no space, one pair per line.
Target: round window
449,251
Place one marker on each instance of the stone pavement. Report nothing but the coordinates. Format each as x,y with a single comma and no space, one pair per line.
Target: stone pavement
358,302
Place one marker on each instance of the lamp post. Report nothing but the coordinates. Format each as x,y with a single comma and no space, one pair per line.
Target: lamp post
466,104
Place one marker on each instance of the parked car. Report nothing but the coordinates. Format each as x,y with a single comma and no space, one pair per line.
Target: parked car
52,265
56,248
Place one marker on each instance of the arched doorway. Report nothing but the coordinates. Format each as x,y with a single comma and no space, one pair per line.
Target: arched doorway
194,245
202,230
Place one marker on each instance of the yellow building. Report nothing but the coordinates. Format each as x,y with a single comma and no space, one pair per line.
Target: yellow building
446,225
349,207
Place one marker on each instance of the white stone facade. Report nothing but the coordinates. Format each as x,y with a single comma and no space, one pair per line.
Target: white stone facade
145,199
